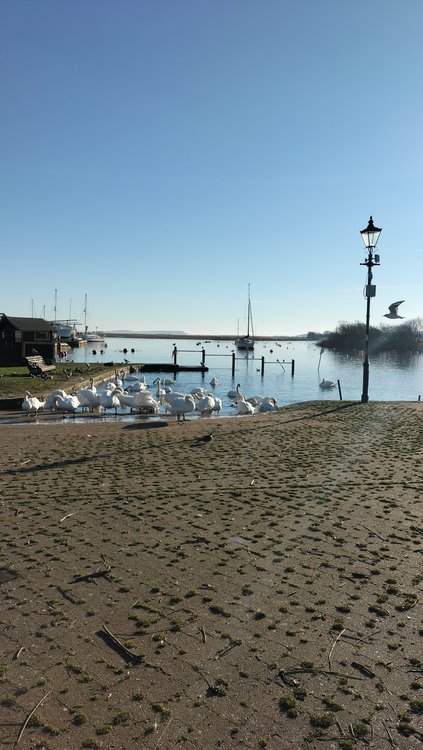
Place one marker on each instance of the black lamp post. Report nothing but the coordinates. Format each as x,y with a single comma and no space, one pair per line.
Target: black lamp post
370,237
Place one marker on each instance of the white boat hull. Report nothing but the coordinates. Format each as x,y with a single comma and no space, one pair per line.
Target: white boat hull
245,343
94,339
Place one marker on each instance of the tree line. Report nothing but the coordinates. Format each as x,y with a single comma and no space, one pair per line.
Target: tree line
350,337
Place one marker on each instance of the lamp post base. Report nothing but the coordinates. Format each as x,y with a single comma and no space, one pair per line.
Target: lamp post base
365,394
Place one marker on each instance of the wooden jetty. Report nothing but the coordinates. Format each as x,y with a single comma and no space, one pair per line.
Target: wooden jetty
171,367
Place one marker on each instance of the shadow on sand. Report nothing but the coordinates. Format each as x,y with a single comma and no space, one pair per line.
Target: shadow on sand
145,425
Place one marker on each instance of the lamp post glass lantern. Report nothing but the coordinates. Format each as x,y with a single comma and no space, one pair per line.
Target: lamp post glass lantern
370,237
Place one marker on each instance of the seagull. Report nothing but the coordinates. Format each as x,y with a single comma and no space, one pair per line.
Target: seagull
393,311
203,440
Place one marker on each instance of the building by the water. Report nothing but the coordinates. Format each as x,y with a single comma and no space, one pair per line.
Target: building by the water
24,337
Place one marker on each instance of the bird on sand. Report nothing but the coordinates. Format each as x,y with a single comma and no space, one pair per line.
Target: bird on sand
204,439
393,311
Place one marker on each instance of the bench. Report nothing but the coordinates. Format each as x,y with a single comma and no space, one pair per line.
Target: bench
37,367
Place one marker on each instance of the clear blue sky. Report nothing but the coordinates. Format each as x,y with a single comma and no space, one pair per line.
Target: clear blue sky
159,155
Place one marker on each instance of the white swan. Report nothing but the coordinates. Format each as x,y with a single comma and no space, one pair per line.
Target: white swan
31,404
170,395
198,392
236,395
56,392
88,396
268,404
327,384
89,402
205,404
119,380
110,400
136,386
169,398
180,405
48,405
160,390
244,407
111,387
142,402
254,400
147,404
65,404
217,404
150,407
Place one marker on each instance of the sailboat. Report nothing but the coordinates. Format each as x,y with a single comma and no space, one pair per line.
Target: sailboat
91,337
247,342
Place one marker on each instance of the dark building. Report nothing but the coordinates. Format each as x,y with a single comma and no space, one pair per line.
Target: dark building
22,337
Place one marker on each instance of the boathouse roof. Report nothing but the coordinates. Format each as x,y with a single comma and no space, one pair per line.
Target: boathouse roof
27,324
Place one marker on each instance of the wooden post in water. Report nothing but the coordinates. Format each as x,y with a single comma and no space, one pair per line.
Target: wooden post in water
175,354
339,390
262,366
203,357
233,364
292,367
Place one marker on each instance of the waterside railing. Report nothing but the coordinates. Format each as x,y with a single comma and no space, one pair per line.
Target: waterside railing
234,358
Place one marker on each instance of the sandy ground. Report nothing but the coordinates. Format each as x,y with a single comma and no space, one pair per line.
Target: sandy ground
259,590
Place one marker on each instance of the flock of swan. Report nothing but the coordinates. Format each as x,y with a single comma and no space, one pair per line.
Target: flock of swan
133,392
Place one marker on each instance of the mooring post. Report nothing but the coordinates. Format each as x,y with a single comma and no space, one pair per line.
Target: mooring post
175,354
339,389
292,367
203,357
233,364
262,366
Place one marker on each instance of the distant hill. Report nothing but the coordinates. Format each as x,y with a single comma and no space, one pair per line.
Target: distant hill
122,332
311,336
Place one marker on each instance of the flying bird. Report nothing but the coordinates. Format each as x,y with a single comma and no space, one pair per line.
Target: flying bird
393,311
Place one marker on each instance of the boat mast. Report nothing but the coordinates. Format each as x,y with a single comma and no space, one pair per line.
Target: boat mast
250,316
85,315
248,313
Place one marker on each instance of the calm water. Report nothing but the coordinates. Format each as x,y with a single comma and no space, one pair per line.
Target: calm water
393,377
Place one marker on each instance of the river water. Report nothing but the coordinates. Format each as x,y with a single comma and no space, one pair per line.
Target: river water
393,376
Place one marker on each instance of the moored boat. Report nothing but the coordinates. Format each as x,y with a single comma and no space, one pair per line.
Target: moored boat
246,343
91,337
